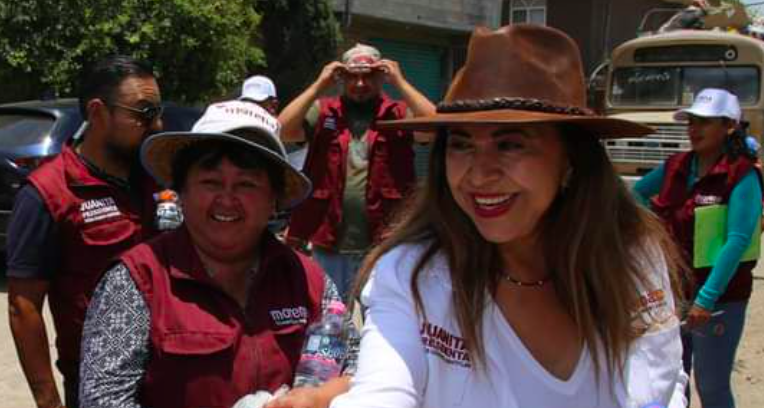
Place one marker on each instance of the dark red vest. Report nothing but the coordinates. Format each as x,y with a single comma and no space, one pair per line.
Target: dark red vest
391,173
206,351
675,204
96,221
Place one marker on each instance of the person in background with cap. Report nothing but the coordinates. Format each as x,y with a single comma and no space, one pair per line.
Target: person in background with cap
360,173
203,315
720,169
79,210
523,275
261,90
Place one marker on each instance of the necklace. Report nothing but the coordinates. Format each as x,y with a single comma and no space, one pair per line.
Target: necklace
535,284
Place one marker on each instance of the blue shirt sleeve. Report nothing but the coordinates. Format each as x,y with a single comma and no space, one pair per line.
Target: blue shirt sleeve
744,209
32,248
649,185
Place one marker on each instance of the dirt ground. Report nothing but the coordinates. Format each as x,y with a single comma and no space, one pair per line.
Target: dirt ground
748,374
748,377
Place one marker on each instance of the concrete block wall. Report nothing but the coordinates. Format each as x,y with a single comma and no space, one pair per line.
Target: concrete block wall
456,15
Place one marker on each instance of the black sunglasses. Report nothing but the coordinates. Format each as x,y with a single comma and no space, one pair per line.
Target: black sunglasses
148,114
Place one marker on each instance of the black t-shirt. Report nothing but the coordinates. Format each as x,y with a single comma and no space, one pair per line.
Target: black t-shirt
32,247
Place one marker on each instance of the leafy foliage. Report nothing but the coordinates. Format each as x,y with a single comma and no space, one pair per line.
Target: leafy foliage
299,38
199,48
752,12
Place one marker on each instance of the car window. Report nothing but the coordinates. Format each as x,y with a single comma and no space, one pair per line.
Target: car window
21,130
179,119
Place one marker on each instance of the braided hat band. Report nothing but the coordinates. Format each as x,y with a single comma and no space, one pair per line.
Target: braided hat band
535,105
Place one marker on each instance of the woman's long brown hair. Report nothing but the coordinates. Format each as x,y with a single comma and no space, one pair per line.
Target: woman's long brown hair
589,233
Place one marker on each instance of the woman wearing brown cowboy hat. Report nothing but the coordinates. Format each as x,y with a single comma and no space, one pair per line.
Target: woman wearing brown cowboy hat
523,274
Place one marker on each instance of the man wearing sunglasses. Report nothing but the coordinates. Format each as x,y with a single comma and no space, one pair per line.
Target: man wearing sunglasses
79,211
359,173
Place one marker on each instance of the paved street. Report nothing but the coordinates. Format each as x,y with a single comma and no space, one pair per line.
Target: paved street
748,376
14,392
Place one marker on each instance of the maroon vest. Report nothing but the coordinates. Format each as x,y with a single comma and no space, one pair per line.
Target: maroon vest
675,204
96,221
206,351
391,173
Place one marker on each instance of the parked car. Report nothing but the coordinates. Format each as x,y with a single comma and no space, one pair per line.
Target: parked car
34,131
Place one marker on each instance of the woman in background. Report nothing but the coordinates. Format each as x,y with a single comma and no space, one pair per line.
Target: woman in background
720,169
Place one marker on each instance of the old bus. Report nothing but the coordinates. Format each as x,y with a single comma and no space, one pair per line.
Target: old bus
651,77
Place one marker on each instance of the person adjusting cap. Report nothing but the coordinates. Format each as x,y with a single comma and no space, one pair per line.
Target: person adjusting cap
361,58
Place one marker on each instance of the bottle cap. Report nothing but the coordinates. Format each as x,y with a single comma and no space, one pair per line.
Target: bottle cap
167,195
336,307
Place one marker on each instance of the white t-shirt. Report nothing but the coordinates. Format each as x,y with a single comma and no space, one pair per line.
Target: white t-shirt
408,361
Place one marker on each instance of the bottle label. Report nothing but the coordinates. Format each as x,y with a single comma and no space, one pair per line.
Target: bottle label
322,356
329,347
329,367
168,216
314,342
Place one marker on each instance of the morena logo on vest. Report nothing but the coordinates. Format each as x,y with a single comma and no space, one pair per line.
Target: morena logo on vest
290,315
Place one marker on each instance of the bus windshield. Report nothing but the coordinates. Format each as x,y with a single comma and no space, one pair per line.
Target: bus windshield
670,86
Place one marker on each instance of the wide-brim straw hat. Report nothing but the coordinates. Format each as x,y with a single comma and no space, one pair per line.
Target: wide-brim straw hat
158,151
520,74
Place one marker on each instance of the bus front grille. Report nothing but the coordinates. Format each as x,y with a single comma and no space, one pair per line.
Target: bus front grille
652,149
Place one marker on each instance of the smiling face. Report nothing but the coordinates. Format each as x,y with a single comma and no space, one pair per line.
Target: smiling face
707,135
505,178
227,209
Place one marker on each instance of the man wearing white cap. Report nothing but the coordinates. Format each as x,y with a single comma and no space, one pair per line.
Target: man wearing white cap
360,173
261,90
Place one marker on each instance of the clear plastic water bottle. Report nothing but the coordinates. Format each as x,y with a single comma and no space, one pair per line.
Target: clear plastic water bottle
169,215
324,350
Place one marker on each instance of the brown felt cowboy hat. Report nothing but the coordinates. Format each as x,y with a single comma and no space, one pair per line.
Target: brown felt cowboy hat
520,74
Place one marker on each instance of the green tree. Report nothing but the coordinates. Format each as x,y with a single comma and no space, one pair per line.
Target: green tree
299,37
199,48
752,12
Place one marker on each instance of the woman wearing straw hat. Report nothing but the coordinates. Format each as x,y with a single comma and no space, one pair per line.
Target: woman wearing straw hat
203,315
688,191
523,274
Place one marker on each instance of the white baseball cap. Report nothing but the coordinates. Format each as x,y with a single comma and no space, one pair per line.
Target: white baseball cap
258,88
158,151
712,103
